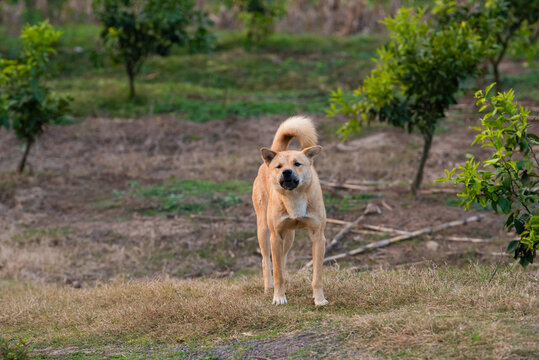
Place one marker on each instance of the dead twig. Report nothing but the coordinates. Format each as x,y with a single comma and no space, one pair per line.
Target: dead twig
386,242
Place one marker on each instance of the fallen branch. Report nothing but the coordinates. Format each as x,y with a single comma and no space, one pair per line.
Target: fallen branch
344,231
386,242
371,208
439,191
385,229
350,186
221,218
465,239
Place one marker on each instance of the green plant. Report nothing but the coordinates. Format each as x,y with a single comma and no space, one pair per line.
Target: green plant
510,183
134,30
27,105
258,17
13,351
500,23
416,78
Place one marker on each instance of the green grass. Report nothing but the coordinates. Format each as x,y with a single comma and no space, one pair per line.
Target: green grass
525,85
342,202
178,197
288,74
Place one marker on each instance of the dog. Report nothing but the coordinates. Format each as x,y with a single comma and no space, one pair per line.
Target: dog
287,196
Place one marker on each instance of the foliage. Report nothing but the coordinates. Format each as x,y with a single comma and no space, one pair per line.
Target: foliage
500,23
27,105
134,30
511,185
416,78
259,17
13,351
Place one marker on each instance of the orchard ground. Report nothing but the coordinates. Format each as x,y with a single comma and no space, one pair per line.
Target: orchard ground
132,234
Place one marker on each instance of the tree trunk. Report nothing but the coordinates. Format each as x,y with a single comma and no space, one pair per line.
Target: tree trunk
22,164
131,75
496,74
424,157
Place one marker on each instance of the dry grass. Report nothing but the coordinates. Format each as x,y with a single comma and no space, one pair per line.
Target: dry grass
409,312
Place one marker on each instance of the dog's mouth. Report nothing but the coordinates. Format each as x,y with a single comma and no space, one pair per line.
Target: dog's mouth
289,184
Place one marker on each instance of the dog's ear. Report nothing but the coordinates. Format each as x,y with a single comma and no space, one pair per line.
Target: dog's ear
267,155
312,151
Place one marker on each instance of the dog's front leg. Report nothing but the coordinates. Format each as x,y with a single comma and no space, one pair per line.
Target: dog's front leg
279,296
319,243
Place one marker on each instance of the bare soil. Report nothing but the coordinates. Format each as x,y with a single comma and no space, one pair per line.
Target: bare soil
55,225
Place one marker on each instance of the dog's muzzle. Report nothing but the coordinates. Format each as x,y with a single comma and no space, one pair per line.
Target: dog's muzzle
288,180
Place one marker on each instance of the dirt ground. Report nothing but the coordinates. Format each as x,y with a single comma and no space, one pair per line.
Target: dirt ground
56,225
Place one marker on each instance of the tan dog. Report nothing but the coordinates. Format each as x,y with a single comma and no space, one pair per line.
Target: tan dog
287,196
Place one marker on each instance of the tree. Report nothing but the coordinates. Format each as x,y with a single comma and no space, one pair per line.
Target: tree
416,78
259,17
134,30
27,105
500,23
510,176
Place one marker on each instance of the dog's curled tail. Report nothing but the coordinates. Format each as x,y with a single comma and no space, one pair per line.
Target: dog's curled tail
299,127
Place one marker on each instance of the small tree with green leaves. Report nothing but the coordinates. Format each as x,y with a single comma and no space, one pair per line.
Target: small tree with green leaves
416,78
509,178
500,23
27,105
258,17
136,29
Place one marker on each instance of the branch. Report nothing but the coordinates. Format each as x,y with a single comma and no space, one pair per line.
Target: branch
386,242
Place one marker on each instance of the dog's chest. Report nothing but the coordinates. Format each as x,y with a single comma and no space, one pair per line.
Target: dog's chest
297,210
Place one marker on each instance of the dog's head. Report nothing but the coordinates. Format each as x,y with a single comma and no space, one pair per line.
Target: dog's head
290,169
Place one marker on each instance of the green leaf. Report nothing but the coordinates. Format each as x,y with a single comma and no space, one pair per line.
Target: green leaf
512,246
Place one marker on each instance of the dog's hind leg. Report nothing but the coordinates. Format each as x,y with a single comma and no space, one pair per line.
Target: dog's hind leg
288,240
263,234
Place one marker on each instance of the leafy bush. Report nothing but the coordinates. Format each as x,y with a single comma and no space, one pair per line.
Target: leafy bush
134,30
511,184
27,105
500,23
15,351
259,17
416,78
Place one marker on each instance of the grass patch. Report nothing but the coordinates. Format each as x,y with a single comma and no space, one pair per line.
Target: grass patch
341,202
438,312
179,197
525,85
288,74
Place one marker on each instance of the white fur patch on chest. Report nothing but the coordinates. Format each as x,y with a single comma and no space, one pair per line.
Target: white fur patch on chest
295,210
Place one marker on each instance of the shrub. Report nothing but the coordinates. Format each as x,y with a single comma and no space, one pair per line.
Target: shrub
510,176
500,23
415,80
13,351
134,30
27,105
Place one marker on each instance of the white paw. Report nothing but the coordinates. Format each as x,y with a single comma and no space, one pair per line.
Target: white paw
279,300
321,302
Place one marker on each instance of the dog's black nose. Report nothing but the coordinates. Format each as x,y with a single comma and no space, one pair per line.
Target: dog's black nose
287,173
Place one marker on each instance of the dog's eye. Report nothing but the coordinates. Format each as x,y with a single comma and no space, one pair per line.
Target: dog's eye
279,166
297,164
